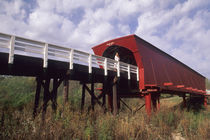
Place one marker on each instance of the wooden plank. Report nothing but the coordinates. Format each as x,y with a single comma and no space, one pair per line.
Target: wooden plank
115,108
83,97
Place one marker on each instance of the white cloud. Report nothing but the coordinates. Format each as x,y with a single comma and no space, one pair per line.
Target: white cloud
182,31
13,8
124,28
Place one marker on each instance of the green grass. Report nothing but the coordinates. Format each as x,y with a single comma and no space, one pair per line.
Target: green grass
16,91
69,123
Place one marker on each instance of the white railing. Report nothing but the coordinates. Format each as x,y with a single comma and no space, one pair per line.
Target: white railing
27,47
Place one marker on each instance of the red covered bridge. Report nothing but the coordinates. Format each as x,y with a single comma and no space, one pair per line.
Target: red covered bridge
143,71
158,71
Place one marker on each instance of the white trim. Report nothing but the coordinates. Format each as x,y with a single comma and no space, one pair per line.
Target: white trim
90,63
129,72
11,50
105,67
71,58
137,74
45,64
118,68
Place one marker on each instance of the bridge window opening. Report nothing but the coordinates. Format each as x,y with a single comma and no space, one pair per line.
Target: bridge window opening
125,54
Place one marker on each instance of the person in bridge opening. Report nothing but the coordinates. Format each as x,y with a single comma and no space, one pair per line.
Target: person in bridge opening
116,58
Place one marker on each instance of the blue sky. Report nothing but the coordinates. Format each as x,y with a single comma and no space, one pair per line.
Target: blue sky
180,28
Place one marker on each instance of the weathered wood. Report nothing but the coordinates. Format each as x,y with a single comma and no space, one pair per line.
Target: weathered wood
118,102
37,96
184,101
54,94
92,96
83,97
138,108
115,108
46,97
65,90
154,101
126,105
104,99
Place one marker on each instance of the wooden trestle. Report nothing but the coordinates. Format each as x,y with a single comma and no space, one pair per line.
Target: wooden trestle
111,89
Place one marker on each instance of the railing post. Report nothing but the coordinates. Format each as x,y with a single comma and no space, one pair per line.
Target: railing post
45,55
129,71
90,63
71,58
118,69
105,66
11,50
137,74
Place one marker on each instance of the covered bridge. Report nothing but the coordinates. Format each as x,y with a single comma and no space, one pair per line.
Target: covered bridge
158,71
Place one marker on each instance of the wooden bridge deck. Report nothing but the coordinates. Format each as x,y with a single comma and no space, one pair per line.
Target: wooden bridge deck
26,57
31,66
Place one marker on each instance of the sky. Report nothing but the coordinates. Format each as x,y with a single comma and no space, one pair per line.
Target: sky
181,28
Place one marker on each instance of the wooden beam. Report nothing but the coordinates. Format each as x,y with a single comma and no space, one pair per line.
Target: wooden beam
66,90
54,94
92,96
126,105
138,108
37,96
115,108
46,97
83,97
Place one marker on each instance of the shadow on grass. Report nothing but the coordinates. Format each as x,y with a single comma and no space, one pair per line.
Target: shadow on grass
193,104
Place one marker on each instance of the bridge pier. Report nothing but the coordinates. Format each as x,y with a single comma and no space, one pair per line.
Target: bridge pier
66,90
115,97
94,99
54,94
155,101
110,102
158,102
103,94
83,97
37,95
48,95
152,101
109,89
205,101
184,101
148,103
92,96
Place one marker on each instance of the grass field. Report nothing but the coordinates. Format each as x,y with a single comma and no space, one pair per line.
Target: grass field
171,122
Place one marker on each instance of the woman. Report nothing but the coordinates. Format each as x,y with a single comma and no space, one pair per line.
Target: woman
116,58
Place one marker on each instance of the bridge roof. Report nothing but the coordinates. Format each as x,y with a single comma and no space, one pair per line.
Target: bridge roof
128,42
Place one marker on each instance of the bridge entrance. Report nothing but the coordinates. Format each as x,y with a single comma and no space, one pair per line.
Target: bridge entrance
125,54
125,89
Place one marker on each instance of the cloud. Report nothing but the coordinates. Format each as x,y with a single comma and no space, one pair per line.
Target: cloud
182,31
181,28
12,20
